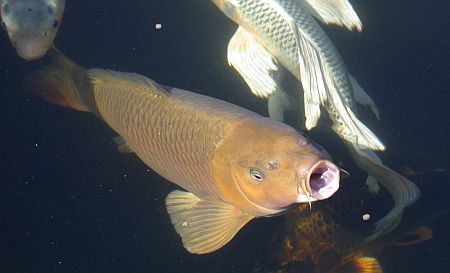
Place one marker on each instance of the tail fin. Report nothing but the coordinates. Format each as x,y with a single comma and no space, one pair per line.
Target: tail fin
56,82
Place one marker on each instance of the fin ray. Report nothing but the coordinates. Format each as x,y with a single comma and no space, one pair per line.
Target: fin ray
338,12
253,62
204,225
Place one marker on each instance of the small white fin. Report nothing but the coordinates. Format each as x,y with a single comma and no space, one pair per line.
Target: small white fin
372,184
403,191
204,225
253,62
338,12
367,265
122,145
278,103
363,98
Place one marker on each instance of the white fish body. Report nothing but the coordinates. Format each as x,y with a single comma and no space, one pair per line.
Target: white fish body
284,32
31,25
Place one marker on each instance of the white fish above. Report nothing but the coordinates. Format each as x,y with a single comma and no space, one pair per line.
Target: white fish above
275,33
31,25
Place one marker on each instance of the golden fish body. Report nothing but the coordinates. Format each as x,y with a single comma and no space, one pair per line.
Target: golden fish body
235,164
31,25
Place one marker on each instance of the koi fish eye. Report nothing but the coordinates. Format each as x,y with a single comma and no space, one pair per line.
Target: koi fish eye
256,175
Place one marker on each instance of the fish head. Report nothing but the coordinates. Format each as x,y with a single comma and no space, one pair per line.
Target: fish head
272,166
32,25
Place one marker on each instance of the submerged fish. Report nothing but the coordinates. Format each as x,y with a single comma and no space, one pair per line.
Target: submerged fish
283,32
273,34
235,164
31,25
332,237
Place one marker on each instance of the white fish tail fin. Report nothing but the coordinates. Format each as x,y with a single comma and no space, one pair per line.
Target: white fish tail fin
338,12
363,98
403,191
204,225
55,82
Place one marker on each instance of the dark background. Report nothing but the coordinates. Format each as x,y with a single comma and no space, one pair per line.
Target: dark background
69,202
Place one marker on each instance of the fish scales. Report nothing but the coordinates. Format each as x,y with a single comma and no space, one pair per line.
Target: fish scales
176,130
276,33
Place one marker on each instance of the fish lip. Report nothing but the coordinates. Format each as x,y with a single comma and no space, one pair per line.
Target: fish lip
321,180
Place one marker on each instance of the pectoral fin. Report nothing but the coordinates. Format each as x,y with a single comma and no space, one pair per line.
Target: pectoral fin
363,98
253,62
278,103
338,12
122,145
417,236
204,225
367,265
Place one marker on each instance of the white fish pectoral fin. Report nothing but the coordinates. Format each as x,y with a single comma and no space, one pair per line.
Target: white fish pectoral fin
363,98
311,76
278,103
372,184
338,12
253,62
204,225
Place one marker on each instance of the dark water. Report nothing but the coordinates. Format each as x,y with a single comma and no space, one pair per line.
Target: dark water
71,203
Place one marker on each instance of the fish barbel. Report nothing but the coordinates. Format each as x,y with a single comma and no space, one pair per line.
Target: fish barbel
235,164
31,25
273,32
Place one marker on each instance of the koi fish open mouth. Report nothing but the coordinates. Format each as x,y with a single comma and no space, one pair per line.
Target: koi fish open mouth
323,179
321,182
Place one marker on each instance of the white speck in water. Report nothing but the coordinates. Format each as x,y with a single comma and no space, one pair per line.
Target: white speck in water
366,217
158,26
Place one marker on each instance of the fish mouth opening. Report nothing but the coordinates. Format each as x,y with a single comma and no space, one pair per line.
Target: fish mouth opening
322,180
